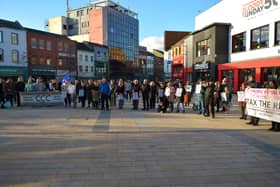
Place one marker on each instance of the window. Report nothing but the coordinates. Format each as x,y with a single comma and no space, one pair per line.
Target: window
1,55
60,46
277,33
239,42
49,45
41,44
33,60
34,43
15,56
91,58
86,70
42,60
86,58
92,69
80,57
81,68
66,47
1,36
14,38
260,37
203,48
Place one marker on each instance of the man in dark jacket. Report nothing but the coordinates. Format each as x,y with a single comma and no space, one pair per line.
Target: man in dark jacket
20,87
209,99
2,92
145,89
104,90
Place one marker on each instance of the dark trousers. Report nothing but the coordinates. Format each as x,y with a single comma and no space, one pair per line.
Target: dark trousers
83,101
255,120
209,104
146,102
104,99
68,100
153,103
18,99
89,100
135,104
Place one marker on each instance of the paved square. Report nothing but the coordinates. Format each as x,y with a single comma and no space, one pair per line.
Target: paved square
58,146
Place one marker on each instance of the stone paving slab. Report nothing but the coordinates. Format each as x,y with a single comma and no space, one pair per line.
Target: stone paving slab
84,147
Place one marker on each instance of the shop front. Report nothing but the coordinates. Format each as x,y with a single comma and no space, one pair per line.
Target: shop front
45,73
13,72
205,70
262,70
178,73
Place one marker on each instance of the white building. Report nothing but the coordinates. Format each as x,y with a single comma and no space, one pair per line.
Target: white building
13,51
167,64
86,58
254,42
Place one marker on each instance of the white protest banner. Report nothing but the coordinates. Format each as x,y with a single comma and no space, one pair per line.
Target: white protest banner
241,96
263,103
198,89
41,98
188,88
223,96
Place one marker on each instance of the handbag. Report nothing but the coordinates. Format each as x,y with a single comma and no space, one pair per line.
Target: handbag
7,104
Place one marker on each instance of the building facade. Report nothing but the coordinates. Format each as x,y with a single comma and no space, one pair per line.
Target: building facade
13,50
167,65
158,66
101,63
85,58
107,23
50,55
210,48
254,39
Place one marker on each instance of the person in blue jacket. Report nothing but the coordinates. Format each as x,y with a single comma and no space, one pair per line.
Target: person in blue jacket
104,90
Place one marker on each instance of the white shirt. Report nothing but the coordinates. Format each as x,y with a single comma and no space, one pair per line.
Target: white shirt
179,92
71,89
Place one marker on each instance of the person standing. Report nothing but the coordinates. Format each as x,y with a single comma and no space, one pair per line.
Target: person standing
252,84
127,86
71,93
10,91
243,103
201,98
120,92
20,87
169,94
180,93
135,89
153,94
104,90
89,88
112,93
81,90
2,92
145,89
275,126
210,99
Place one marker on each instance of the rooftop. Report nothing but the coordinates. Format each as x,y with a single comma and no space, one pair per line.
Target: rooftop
11,24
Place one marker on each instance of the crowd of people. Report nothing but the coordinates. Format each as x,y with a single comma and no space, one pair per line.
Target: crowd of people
206,97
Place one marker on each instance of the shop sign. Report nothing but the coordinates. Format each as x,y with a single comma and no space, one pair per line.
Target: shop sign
258,7
41,98
263,103
202,66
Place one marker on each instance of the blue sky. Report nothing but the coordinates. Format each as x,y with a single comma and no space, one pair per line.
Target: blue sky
155,16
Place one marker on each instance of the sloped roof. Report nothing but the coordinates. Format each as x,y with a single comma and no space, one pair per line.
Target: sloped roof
11,24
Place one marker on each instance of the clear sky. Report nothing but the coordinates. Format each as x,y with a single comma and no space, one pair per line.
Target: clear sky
155,16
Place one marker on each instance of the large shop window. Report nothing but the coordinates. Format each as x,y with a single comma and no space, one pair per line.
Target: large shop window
277,33
239,42
272,73
203,48
260,37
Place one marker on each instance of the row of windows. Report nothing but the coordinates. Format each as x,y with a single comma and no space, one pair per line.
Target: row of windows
42,44
259,38
86,58
81,69
49,61
15,56
14,38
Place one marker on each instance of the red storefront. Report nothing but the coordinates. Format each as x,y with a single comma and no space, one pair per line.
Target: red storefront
263,69
178,71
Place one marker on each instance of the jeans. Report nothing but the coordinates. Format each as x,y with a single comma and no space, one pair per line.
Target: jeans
201,106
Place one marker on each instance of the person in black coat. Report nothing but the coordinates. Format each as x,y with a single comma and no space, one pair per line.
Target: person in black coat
135,89
2,92
20,87
210,99
145,89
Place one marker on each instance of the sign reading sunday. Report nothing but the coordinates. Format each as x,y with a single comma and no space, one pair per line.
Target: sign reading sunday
256,7
263,103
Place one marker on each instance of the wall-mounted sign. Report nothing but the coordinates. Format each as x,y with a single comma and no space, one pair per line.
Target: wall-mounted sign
202,66
258,7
